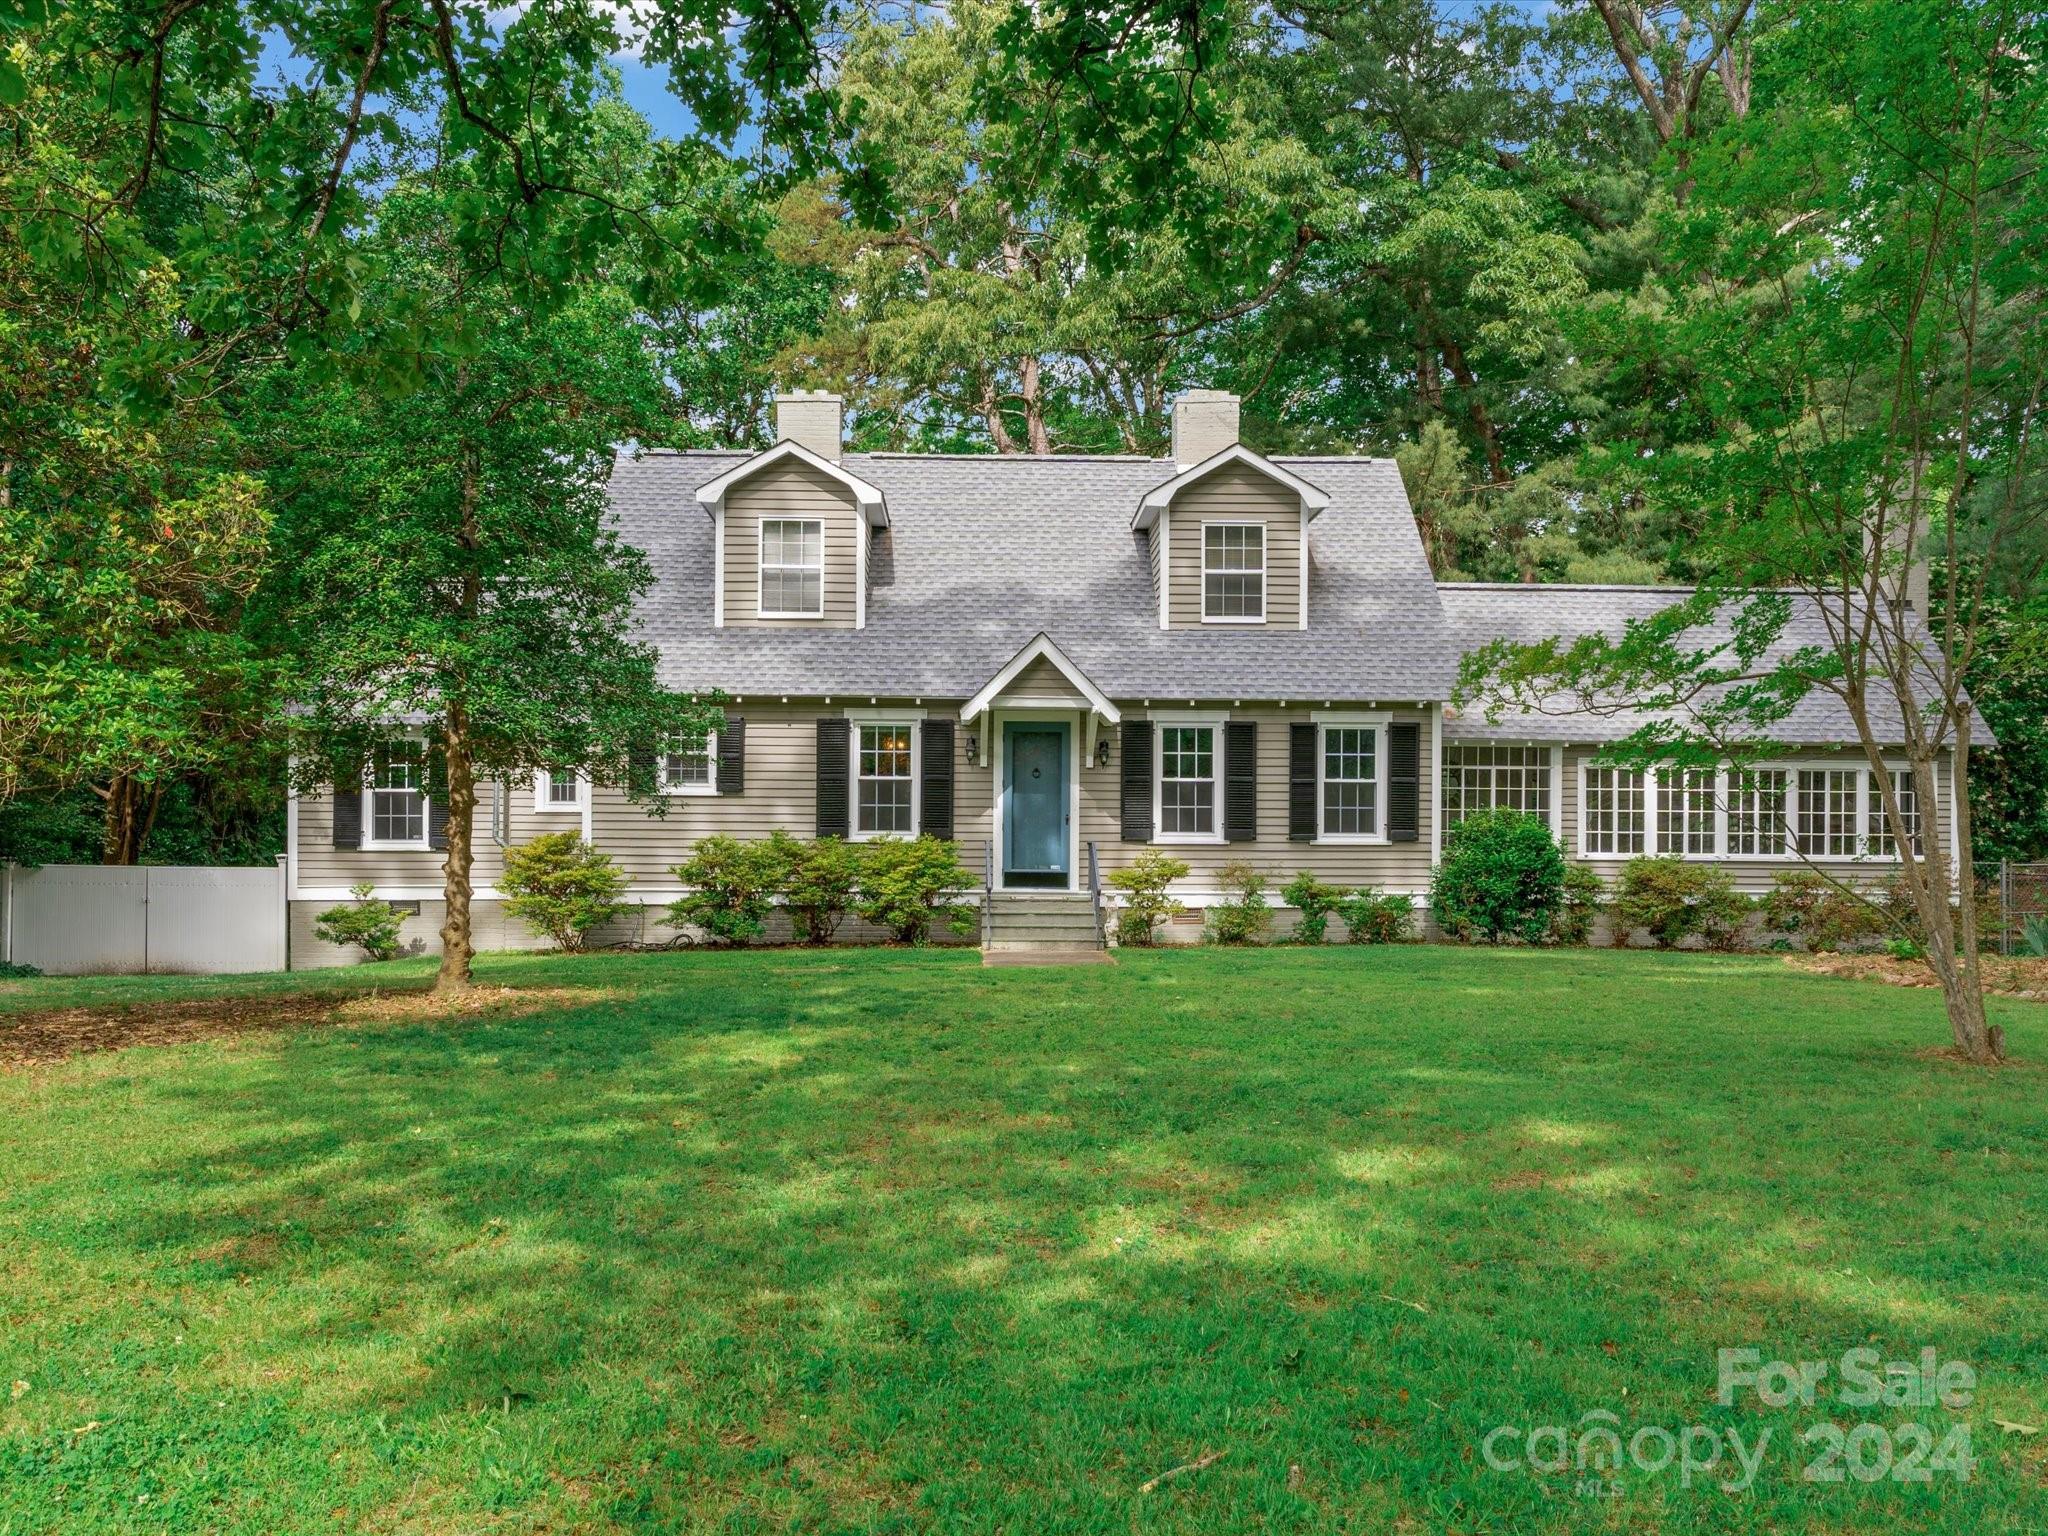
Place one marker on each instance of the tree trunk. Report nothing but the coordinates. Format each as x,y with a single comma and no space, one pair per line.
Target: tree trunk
457,946
1475,407
1036,438
130,813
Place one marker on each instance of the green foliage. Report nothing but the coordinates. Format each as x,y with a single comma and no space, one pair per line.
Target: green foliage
1146,904
1824,916
1585,897
371,925
1502,877
907,884
819,880
1672,900
732,889
1315,900
16,970
2033,938
562,887
1244,916
1372,916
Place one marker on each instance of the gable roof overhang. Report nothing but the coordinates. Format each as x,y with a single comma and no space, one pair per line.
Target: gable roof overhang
1039,647
711,495
1155,501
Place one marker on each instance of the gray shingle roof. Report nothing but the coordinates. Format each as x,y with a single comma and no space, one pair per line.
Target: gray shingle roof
1481,612
984,552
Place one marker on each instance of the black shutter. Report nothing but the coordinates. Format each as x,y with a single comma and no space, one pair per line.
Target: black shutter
437,798
732,756
833,767
1240,781
348,811
936,792
1137,772
1404,780
1301,782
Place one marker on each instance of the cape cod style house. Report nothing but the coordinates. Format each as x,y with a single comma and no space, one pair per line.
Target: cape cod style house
1060,661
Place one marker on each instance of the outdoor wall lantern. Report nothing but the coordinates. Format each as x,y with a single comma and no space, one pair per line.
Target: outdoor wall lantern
1102,752
973,747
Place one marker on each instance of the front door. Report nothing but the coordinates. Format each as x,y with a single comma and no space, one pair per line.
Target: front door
1035,818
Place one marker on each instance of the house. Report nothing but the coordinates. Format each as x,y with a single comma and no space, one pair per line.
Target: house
1060,661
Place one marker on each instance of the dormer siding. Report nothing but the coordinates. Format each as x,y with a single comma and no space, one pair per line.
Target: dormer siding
1240,495
793,492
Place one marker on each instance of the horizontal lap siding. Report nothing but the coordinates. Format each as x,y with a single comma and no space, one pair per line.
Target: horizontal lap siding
1040,681
1395,866
789,490
322,866
1239,495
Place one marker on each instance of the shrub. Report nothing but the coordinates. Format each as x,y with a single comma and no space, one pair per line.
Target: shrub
1821,913
1316,901
1146,904
18,970
562,887
733,889
1585,895
1245,916
907,885
1502,877
1374,917
2033,938
819,881
371,924
1673,900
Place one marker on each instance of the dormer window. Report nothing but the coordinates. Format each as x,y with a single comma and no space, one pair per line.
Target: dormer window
1233,573
792,568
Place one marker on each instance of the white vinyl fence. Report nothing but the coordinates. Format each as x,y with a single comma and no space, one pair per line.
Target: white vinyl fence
97,919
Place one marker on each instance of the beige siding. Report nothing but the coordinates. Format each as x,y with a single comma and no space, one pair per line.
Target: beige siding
322,866
791,489
1043,682
1235,494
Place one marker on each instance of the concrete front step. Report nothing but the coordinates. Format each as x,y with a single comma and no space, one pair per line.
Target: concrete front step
1023,923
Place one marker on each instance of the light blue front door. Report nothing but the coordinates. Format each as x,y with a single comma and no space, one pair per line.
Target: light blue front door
1035,781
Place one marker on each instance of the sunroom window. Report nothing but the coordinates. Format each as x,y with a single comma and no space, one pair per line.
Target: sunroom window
1882,844
1616,811
1827,812
1686,819
1757,813
1483,776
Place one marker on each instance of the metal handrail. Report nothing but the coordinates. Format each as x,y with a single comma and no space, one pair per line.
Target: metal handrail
1095,896
988,892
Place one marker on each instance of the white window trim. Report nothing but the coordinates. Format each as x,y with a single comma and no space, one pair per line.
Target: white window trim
761,608
1376,722
709,787
543,787
1553,766
373,844
1215,721
913,718
1658,781
1233,522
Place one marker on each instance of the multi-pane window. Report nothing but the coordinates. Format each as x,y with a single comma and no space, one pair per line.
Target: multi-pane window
882,798
1882,843
684,771
1480,776
1685,817
1827,812
563,791
1187,781
1757,826
398,801
792,568
1615,813
1351,781
1233,571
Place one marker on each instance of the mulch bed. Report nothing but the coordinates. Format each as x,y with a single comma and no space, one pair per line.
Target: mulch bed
32,1039
2027,979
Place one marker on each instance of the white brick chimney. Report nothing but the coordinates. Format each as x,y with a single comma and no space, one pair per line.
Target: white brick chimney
1204,424
810,418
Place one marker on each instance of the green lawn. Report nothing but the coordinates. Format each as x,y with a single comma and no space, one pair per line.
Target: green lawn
883,1241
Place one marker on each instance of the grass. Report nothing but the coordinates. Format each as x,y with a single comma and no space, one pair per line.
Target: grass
883,1241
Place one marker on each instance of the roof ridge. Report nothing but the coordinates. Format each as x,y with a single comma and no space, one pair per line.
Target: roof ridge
1564,586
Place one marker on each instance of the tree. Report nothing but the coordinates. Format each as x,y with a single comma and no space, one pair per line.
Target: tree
1865,254
447,560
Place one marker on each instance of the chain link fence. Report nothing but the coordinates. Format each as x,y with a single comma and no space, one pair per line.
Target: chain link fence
2013,897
